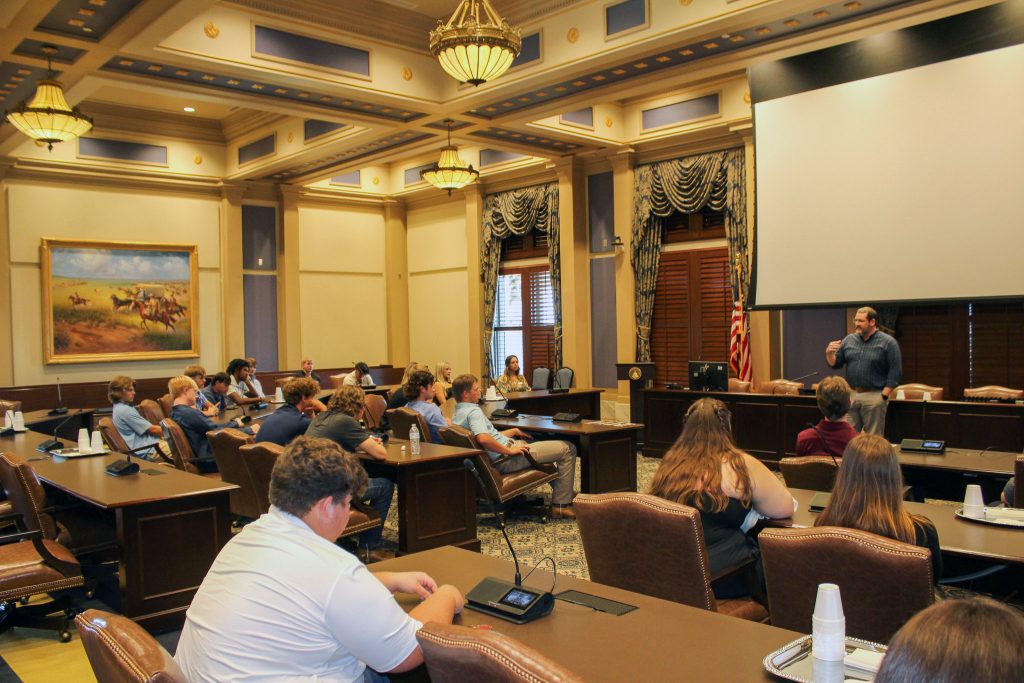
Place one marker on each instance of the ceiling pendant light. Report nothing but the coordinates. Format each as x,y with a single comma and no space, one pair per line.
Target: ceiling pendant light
476,45
48,117
450,172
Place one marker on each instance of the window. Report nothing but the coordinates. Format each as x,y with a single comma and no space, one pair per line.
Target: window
531,245
701,225
524,320
692,312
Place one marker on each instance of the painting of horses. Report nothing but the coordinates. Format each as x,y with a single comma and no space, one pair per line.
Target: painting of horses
114,301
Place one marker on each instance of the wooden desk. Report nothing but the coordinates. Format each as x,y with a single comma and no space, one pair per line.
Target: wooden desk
170,525
659,641
586,402
957,537
67,424
436,495
607,452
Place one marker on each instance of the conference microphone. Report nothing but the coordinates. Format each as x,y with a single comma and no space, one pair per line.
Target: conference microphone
824,443
60,409
55,443
499,598
119,468
801,378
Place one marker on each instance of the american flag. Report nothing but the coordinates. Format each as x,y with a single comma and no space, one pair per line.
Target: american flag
739,345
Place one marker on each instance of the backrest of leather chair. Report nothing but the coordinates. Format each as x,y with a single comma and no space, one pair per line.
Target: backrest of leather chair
338,380
780,386
26,495
401,421
460,437
563,378
225,444
883,582
1018,485
541,378
448,408
814,472
151,410
375,405
121,651
915,391
181,449
259,459
111,436
456,654
994,392
166,404
646,544
738,386
6,404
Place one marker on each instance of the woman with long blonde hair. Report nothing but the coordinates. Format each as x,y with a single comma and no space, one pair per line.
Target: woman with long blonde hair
705,470
442,382
868,495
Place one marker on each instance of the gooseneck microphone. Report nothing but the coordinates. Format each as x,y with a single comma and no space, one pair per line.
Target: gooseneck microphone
61,409
55,443
468,464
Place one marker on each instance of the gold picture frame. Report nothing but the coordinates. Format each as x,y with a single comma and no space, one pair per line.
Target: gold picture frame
107,301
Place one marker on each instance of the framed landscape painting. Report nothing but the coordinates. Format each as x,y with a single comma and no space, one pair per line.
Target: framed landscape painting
118,301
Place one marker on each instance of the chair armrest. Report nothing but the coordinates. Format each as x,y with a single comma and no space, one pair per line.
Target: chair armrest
19,522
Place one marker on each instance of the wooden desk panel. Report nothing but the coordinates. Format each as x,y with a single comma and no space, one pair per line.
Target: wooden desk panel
586,402
659,641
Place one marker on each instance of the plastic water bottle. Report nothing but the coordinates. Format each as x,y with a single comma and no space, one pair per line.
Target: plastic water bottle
414,440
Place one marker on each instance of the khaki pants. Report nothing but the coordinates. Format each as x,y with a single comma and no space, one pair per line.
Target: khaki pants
867,414
562,453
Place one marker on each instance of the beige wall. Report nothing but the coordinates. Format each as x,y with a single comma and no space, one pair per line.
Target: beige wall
438,300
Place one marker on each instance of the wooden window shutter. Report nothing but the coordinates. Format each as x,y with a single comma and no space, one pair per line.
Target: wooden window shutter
996,330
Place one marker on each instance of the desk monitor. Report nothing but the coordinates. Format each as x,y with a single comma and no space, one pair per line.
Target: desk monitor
709,376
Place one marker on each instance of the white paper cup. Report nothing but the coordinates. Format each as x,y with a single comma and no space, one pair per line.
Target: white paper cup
828,671
96,442
19,420
8,419
900,395
974,504
279,395
828,625
83,441
927,396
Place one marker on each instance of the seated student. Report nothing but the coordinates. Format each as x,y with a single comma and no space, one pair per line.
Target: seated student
340,423
468,414
957,641
443,384
359,377
198,375
240,391
831,435
291,420
397,398
217,393
195,424
868,495
136,430
705,470
282,602
307,371
419,390
255,383
511,379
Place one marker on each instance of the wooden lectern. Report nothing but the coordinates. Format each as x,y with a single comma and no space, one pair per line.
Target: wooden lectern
640,375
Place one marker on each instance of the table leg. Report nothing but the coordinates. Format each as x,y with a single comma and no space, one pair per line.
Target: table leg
436,506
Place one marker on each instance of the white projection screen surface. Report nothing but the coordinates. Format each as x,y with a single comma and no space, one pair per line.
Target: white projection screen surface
907,186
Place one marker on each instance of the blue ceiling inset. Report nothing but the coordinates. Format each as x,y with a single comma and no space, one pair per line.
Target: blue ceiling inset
350,178
258,149
531,139
18,83
34,48
314,128
296,48
122,150
382,145
85,20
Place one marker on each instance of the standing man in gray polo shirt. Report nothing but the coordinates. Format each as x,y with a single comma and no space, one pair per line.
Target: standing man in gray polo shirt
874,367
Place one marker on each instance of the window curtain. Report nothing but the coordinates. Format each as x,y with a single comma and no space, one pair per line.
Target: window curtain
516,212
716,180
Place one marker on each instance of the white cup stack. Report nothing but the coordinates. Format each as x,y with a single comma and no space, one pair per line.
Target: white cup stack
9,419
900,395
828,625
279,396
83,441
492,393
974,504
96,443
19,421
926,395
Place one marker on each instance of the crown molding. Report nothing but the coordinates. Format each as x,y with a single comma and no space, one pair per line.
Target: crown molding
122,119
118,178
246,121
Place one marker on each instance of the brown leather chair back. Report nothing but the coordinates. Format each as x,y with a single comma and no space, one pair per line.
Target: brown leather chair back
111,436
738,386
374,412
501,487
456,654
259,460
915,391
166,404
1018,485
994,392
181,449
27,496
225,444
780,386
401,421
121,651
338,380
448,408
6,405
151,410
883,582
646,544
814,472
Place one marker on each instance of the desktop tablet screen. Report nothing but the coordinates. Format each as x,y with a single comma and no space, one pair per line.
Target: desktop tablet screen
519,598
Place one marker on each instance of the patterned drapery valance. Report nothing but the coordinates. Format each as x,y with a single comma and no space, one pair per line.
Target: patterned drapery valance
716,180
516,212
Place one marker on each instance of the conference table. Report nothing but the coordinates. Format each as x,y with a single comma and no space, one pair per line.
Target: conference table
169,525
585,402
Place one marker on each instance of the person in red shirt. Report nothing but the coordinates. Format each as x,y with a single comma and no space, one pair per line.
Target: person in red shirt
830,436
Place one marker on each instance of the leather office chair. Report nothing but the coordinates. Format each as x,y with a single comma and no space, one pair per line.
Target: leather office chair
541,378
151,410
111,437
781,387
993,393
28,569
182,456
455,654
259,459
501,490
653,546
813,472
166,404
373,413
402,420
121,651
915,391
448,408
338,380
883,582
225,444
738,386
563,378
1018,488
6,405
